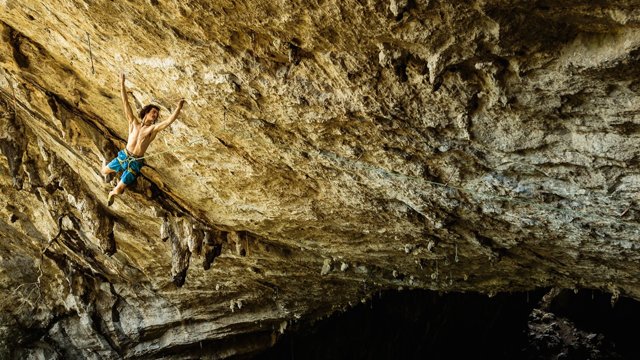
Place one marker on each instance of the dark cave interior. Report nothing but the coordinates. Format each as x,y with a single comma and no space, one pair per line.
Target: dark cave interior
419,324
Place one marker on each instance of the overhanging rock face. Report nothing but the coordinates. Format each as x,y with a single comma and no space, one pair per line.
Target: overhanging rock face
327,150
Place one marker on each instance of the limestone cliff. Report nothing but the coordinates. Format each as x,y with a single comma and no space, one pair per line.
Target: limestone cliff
328,150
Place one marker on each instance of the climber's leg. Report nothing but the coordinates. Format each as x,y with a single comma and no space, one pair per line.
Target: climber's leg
106,170
112,167
119,189
126,179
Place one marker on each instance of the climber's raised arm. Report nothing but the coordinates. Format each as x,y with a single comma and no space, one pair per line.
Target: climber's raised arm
164,124
128,113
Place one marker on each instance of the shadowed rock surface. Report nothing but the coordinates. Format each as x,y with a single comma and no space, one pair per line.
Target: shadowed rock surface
328,150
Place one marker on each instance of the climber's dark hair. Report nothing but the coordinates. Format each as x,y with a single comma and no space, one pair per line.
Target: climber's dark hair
146,109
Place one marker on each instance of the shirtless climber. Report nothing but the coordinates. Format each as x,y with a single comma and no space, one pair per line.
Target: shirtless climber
141,133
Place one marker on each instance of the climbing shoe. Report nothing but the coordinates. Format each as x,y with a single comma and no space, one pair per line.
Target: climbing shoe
110,199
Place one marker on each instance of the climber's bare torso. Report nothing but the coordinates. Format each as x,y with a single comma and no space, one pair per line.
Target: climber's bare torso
142,133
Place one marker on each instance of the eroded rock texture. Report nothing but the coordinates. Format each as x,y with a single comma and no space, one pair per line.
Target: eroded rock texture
329,149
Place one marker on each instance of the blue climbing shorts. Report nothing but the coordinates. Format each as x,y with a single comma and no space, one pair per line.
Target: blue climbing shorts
128,165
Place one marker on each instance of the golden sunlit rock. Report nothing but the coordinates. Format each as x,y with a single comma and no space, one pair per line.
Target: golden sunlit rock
327,150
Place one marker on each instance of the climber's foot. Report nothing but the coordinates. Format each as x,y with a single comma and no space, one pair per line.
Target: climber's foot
111,199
